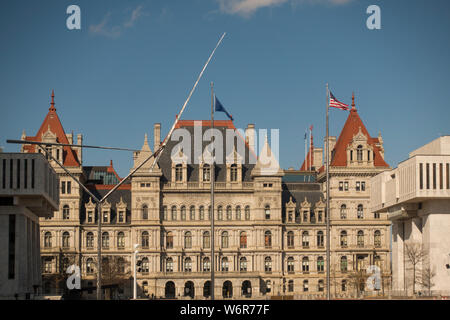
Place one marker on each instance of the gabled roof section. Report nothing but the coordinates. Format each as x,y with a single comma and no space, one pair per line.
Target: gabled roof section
351,128
267,164
53,124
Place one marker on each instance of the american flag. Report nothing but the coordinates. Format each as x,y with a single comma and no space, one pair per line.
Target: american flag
335,103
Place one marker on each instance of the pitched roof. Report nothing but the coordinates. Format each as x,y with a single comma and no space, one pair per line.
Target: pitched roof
53,124
351,128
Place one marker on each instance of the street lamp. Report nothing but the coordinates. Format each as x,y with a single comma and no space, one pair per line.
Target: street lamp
136,246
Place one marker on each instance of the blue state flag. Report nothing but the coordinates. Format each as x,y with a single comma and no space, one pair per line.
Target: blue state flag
219,107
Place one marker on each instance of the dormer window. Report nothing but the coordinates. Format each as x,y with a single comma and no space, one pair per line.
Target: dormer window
179,173
105,216
90,216
206,172
233,173
359,153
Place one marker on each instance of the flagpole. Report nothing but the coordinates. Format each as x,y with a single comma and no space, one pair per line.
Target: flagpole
310,150
306,147
328,214
212,180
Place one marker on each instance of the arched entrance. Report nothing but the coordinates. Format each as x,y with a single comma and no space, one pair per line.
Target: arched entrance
170,289
227,289
246,289
207,289
189,290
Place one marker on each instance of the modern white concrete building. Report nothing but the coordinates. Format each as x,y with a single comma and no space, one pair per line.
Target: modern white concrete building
416,197
28,190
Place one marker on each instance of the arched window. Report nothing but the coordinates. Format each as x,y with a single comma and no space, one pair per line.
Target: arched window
188,240
120,265
343,263
206,265
164,213
268,286
247,212
206,172
343,211
344,285
360,211
179,173
268,264
305,264
145,265
243,264
243,240
105,240
320,264
66,212
229,213
377,238
305,286
183,213
224,239
192,213
268,239
290,264
174,213
267,212
233,173
201,213
305,239
209,212
90,266
291,285
144,212
188,265
343,239
219,213
224,264
48,240
206,240
169,265
90,240
145,239
66,240
360,238
238,213
169,240
359,153
290,239
121,240
320,286
320,239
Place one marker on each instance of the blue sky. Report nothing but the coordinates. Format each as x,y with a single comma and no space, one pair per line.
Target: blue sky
133,63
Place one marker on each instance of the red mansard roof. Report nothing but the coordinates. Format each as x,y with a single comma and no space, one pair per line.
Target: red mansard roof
53,123
351,128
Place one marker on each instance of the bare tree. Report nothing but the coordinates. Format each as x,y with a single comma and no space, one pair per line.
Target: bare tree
357,279
115,271
426,279
415,255
58,279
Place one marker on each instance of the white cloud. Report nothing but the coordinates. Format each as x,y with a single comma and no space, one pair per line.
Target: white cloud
247,7
104,28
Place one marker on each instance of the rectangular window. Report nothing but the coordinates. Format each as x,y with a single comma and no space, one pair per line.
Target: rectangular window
421,176
18,173
341,186
69,187
363,186
63,187
441,177
434,175
11,166
4,174
358,186
448,175
12,246
25,175
428,175
346,186
32,173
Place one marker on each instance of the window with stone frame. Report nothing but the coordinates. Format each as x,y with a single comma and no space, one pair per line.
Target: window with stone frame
267,212
290,265
305,285
144,212
169,240
305,264
206,172
343,264
187,264
105,240
267,264
343,239
360,211
219,213
66,212
169,265
66,240
377,238
187,240
89,240
145,239
243,240
206,240
48,240
120,240
224,239
233,173
247,212
243,264
290,239
268,239
174,213
229,213
192,213
201,213
320,264
343,211
206,265
360,239
183,213
305,239
224,266
238,212
320,239
179,172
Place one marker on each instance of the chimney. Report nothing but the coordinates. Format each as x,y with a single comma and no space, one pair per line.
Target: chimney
156,136
332,140
318,158
250,136
70,137
79,150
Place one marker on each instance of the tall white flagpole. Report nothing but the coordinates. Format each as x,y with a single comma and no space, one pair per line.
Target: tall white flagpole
328,214
306,149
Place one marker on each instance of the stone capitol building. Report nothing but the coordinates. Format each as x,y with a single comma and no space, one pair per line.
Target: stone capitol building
270,229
